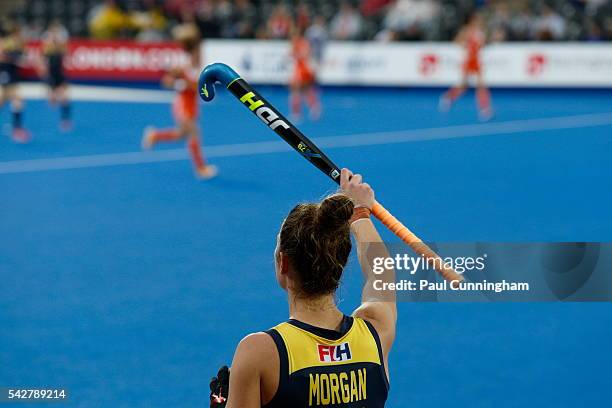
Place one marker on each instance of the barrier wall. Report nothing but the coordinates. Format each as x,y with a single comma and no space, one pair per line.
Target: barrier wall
123,61
347,63
424,64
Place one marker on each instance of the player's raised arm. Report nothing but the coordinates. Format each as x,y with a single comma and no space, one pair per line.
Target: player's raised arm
377,306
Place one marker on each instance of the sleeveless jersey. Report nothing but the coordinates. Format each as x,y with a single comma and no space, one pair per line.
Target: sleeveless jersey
474,42
303,73
185,106
328,368
54,46
10,53
54,53
11,50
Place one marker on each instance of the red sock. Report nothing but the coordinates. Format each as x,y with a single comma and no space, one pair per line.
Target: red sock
312,99
295,102
196,152
484,99
454,93
166,135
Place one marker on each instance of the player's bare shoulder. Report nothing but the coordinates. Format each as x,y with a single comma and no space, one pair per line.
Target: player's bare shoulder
258,343
256,352
255,369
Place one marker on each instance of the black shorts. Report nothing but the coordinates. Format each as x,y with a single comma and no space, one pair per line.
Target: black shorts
55,79
8,74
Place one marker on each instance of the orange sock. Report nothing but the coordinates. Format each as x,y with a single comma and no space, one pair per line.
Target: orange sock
484,99
312,98
196,152
295,102
166,135
454,93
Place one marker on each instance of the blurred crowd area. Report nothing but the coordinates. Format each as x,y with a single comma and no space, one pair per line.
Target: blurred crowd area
382,20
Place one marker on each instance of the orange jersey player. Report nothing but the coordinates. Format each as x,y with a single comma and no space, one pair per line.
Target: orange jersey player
185,106
473,39
303,81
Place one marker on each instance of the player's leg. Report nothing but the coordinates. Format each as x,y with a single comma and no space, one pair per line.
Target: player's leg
2,96
62,98
483,99
5,78
313,101
295,100
52,95
194,145
450,97
152,136
19,134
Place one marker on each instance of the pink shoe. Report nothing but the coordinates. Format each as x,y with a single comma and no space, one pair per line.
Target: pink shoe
21,135
66,126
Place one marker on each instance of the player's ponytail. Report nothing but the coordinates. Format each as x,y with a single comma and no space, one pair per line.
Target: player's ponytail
316,239
334,212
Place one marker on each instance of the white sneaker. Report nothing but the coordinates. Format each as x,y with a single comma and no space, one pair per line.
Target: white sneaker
207,172
486,115
444,104
147,138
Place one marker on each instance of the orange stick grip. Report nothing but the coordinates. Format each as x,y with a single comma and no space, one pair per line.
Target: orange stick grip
415,243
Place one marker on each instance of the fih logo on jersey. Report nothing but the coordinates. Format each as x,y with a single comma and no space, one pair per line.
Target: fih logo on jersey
334,354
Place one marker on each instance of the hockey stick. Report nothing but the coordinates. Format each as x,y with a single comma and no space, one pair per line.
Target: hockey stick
278,123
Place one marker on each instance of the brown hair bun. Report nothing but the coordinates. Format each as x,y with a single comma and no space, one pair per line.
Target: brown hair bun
316,239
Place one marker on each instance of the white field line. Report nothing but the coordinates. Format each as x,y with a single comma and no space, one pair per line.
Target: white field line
37,91
352,140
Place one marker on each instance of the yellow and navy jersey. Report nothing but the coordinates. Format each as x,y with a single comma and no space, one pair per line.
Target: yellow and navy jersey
53,48
54,53
328,368
11,50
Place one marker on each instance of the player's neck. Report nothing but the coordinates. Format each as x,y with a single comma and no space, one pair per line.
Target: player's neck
321,311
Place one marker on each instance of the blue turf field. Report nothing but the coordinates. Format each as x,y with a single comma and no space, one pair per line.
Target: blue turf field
131,284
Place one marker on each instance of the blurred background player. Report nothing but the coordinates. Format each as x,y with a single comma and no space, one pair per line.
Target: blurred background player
317,37
472,38
185,107
54,47
11,50
303,78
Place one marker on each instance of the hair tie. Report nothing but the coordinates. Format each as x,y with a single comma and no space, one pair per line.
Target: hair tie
360,213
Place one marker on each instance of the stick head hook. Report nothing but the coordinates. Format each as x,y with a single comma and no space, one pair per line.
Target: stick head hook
214,73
